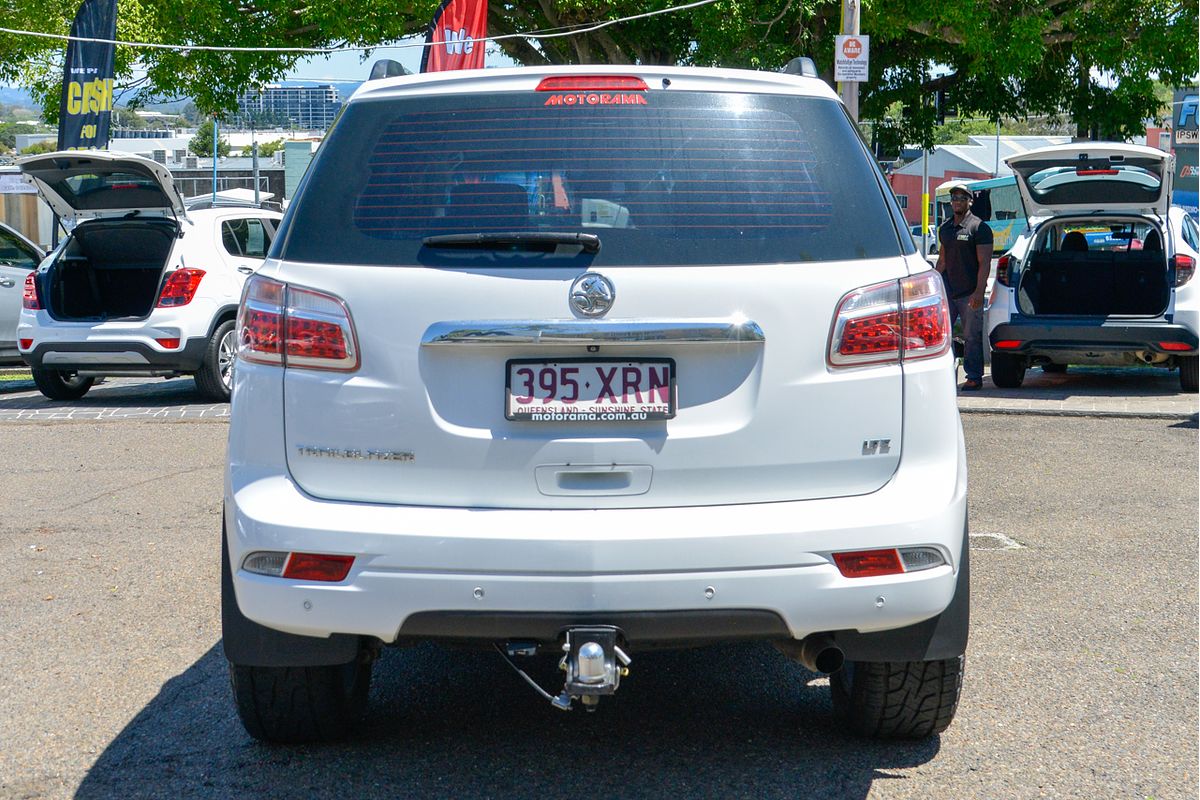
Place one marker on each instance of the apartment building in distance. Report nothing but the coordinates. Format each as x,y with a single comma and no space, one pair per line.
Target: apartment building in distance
300,107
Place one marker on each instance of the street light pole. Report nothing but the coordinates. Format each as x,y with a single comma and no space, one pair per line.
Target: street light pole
849,89
215,151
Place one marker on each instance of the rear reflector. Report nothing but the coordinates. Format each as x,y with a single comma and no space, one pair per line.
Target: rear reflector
1175,346
180,288
30,298
317,567
168,344
869,563
873,321
592,83
26,343
1007,344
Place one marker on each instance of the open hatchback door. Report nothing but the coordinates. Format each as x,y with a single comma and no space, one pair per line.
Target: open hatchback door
1093,176
79,184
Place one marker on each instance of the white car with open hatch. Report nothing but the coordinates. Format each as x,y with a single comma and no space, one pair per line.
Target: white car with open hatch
579,362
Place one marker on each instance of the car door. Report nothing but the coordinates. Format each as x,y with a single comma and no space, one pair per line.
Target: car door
18,257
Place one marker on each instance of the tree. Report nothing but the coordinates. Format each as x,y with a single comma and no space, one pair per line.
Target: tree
47,146
1090,60
265,149
202,143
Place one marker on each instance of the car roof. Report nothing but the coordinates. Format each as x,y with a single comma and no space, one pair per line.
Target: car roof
523,79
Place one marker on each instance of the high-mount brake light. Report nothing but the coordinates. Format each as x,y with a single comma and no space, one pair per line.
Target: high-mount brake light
1185,268
180,287
1085,171
886,322
592,83
281,324
30,298
1002,267
317,567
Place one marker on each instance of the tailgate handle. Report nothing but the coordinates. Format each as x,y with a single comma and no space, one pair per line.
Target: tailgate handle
593,480
654,332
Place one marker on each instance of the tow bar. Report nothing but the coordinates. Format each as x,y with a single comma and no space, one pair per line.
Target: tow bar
593,662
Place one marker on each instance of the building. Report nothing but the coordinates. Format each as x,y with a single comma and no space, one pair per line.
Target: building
981,157
307,107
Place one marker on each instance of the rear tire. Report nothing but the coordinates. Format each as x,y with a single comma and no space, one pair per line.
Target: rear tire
215,379
1189,366
58,384
1007,370
897,699
301,704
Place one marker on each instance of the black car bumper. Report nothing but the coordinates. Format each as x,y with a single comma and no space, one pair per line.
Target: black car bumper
1090,334
123,357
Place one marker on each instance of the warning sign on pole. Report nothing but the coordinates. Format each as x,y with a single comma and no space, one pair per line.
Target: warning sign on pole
850,56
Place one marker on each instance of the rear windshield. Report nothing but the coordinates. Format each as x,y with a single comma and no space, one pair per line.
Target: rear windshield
1094,183
87,191
662,178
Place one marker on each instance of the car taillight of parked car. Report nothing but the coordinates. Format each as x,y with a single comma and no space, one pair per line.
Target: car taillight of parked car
30,298
892,321
1003,264
1185,268
180,287
295,327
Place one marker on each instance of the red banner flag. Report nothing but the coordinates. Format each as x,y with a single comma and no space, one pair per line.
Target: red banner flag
453,39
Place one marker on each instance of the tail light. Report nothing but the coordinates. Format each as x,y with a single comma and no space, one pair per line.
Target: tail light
180,287
30,298
873,563
592,83
884,323
1002,266
1185,268
295,327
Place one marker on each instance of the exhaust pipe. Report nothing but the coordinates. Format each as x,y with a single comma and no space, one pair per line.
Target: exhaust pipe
816,653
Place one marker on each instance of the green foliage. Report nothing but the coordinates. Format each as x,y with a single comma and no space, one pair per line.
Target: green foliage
47,146
1008,60
202,143
265,149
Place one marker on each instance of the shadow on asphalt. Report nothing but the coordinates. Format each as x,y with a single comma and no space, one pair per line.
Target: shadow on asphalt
1079,382
729,721
112,393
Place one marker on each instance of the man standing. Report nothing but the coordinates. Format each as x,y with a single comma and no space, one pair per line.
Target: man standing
965,260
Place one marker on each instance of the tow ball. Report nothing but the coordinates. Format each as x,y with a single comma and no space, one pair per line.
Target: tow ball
594,666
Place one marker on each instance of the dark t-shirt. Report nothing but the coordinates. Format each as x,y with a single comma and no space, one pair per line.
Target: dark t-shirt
958,242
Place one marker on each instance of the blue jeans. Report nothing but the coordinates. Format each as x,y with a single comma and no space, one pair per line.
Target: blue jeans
972,329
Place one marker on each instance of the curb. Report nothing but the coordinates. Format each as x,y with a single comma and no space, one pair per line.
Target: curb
1079,412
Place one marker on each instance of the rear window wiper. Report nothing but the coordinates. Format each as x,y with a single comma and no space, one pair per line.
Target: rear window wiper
525,240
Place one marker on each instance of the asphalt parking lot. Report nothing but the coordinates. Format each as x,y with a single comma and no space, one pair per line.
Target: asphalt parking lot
1082,666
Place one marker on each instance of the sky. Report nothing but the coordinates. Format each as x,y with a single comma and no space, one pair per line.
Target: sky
349,66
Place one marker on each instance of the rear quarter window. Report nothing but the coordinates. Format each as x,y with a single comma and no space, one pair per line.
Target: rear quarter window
665,178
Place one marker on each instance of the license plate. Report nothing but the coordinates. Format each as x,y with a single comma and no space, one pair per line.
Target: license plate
590,390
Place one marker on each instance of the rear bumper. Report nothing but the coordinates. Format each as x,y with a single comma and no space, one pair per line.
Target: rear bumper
673,576
1076,334
125,356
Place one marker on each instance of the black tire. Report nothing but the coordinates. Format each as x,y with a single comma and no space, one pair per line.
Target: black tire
897,699
1054,369
1188,372
60,384
1007,370
215,379
301,704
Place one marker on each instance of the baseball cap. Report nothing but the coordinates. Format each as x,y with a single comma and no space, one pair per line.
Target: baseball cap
958,186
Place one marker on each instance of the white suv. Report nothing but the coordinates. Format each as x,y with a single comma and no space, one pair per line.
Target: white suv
141,285
585,361
1103,273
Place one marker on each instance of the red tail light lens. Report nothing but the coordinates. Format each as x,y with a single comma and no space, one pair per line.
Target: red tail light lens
1002,266
260,321
1185,268
869,563
592,83
316,567
873,322
180,288
281,324
30,298
1177,346
1007,344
